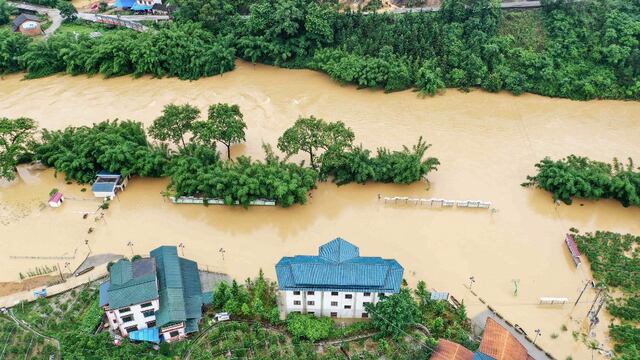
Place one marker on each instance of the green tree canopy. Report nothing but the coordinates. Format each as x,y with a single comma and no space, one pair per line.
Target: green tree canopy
309,327
5,12
15,137
224,124
174,123
393,315
67,10
312,134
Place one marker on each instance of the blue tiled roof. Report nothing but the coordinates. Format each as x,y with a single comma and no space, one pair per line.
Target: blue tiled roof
105,173
104,293
124,3
149,334
103,187
339,267
481,356
138,7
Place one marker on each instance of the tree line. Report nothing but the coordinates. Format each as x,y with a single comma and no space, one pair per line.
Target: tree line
580,177
576,49
184,51
183,146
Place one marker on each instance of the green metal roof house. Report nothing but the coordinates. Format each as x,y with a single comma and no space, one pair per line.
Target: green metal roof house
161,292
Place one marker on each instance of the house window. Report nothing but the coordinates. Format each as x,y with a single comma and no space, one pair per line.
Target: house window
296,293
381,295
297,302
367,294
334,293
124,310
131,328
334,303
295,312
347,306
311,292
174,334
348,296
364,303
115,321
148,313
126,319
311,313
151,324
365,315
334,314
146,305
311,303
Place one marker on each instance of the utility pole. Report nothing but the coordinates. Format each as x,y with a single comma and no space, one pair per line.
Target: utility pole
538,333
181,246
86,242
582,292
601,287
60,271
130,244
472,279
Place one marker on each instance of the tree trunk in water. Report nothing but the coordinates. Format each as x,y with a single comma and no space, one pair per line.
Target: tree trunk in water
228,151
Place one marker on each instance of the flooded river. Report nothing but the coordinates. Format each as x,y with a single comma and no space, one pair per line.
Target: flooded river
487,144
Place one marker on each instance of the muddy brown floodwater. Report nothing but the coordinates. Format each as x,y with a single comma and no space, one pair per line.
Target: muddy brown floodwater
487,144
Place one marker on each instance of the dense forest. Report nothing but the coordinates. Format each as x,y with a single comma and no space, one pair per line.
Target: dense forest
574,49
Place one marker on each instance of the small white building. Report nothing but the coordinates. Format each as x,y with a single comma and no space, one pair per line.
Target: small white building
336,283
56,200
107,184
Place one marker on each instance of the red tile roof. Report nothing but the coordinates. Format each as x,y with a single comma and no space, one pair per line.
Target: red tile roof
498,343
448,350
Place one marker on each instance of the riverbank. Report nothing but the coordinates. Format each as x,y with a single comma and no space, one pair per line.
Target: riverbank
487,144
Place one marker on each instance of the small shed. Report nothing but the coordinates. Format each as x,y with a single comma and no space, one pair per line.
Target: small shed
107,184
573,249
27,24
439,296
56,200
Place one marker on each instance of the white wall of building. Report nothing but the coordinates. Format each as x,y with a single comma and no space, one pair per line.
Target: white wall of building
117,316
337,304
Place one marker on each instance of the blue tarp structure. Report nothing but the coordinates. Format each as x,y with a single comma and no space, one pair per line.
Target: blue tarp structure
149,335
138,7
125,3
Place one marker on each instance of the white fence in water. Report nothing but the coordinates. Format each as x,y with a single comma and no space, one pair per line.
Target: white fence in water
478,204
199,200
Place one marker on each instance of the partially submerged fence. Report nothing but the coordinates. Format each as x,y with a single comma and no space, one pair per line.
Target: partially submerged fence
434,202
199,200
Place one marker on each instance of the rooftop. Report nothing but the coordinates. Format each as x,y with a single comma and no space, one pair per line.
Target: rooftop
22,18
448,350
339,267
498,343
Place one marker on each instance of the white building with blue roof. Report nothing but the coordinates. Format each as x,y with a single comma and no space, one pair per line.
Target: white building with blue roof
338,282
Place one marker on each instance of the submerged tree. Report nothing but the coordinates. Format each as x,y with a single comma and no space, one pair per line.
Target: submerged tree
224,124
312,134
15,137
174,123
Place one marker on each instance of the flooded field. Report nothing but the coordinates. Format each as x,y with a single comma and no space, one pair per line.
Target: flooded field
487,144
